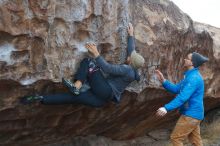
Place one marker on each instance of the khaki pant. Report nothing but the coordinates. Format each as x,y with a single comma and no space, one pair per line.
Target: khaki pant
186,127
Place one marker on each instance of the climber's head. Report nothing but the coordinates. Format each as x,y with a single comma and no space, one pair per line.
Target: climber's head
136,60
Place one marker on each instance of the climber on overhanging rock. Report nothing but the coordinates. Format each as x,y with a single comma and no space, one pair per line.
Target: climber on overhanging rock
189,101
92,70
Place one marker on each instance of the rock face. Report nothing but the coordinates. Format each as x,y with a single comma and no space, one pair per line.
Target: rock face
43,40
213,86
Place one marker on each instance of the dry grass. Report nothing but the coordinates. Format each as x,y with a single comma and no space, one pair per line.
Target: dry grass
211,133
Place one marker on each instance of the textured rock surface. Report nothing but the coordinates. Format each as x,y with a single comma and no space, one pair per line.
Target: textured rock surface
42,41
210,129
213,78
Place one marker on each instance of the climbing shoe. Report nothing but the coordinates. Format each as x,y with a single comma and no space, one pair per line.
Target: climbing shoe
70,86
31,99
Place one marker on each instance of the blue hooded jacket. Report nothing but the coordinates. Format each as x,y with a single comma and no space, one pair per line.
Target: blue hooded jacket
190,92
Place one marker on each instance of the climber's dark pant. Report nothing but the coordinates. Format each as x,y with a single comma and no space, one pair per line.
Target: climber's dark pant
99,93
